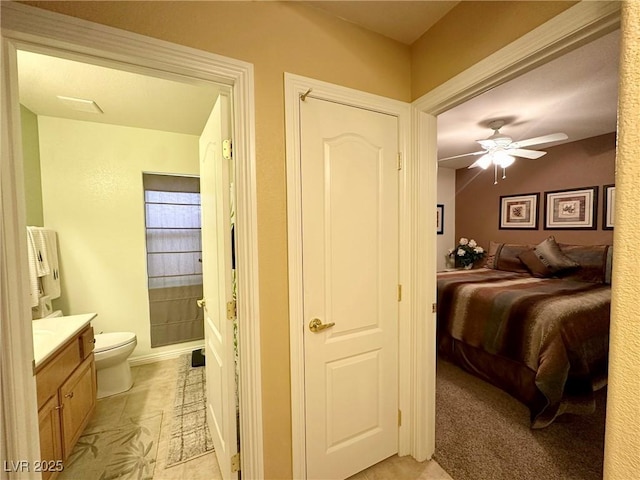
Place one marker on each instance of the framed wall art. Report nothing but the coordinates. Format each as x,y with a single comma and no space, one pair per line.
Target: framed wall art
440,219
519,212
571,209
609,206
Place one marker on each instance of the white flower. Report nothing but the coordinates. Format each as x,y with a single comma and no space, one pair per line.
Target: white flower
463,241
478,250
461,252
472,243
451,251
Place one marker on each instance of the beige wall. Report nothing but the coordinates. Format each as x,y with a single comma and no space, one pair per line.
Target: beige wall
93,197
31,165
622,438
470,32
278,37
579,164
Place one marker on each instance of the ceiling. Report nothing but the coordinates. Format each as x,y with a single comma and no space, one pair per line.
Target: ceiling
126,98
575,94
404,21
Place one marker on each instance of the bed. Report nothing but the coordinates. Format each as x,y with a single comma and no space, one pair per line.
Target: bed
534,321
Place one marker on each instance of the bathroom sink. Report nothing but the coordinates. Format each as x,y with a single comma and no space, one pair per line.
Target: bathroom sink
49,334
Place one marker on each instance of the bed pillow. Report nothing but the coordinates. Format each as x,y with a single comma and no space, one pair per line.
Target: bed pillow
594,260
547,259
504,256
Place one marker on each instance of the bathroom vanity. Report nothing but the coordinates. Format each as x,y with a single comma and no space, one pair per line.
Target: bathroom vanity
66,385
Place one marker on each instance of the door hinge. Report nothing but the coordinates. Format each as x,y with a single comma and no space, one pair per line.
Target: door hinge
399,418
434,308
399,161
227,149
232,310
235,462
399,293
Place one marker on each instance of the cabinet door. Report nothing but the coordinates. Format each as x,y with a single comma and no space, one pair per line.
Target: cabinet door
50,433
78,396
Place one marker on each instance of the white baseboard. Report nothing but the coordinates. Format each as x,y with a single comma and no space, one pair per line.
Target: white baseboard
159,357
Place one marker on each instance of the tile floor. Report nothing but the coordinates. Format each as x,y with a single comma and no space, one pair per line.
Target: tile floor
403,468
153,390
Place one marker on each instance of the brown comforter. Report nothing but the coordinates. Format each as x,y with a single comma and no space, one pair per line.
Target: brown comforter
545,341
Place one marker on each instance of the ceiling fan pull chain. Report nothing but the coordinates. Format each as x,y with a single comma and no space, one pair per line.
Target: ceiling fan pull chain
504,173
495,174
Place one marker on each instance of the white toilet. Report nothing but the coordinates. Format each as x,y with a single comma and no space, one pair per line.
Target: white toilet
112,367
111,351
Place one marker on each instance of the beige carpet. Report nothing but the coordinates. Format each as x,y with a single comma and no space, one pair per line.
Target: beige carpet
125,451
483,433
190,436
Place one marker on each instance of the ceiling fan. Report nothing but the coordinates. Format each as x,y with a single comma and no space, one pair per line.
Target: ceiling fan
500,149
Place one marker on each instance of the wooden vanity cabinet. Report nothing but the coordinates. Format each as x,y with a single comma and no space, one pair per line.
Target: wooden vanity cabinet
66,389
78,400
50,432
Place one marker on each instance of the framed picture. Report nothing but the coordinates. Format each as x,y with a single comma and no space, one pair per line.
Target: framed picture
519,212
571,209
440,219
609,206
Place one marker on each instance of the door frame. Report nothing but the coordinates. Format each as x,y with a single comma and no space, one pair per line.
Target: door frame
25,27
572,28
296,89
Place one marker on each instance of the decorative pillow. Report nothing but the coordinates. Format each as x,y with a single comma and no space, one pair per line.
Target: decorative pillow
546,259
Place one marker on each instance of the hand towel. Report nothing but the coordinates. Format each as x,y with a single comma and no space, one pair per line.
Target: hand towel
38,243
51,282
34,284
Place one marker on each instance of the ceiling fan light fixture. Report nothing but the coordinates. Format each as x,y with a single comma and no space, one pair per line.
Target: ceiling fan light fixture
484,161
503,159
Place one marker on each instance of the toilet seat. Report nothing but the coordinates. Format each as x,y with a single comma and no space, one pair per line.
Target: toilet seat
109,341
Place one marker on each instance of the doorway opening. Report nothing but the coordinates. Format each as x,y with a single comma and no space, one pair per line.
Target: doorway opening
83,41
81,158
494,71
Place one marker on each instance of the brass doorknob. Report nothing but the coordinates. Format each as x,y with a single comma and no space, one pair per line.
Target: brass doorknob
201,303
316,325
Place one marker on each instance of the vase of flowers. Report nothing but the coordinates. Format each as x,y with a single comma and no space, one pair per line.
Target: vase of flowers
466,253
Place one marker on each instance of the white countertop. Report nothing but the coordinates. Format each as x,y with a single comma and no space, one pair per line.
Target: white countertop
51,333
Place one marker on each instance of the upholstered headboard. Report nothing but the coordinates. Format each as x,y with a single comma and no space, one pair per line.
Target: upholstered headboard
595,261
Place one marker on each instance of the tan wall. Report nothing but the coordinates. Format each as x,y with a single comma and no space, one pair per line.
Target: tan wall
579,164
286,36
622,438
470,32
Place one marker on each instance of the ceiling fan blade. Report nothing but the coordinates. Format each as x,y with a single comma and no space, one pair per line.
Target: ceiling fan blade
553,137
463,155
519,152
475,164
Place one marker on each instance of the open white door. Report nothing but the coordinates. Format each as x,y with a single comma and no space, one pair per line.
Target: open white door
219,306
